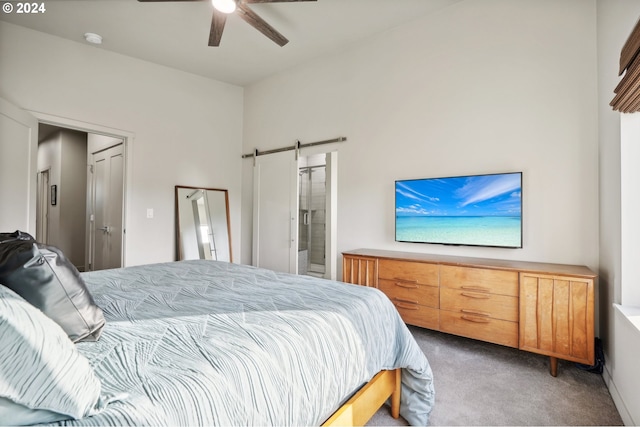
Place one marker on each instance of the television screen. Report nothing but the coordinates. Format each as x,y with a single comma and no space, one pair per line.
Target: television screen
476,210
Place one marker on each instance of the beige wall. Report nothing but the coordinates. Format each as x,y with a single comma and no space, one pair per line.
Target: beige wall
478,87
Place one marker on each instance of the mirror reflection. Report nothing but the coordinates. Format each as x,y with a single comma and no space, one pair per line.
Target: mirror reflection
202,224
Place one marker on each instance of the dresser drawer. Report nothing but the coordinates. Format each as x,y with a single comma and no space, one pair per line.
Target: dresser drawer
413,272
418,315
479,280
399,291
482,328
501,307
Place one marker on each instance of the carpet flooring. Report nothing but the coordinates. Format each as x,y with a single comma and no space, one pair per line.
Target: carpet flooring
483,384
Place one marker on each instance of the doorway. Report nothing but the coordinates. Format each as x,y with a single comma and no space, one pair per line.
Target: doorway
312,208
285,215
20,132
80,209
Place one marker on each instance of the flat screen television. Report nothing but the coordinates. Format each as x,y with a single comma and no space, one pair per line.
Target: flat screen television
474,210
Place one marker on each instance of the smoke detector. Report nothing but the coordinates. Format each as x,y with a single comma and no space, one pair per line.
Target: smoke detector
93,38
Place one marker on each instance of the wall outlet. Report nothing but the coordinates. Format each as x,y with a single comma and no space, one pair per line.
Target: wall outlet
149,213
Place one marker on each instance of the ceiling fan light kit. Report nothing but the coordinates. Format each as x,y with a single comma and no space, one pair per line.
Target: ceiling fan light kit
224,6
221,8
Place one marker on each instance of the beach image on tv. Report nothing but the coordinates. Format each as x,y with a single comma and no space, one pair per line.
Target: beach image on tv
479,210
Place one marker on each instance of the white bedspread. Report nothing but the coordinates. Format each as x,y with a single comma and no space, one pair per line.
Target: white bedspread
213,343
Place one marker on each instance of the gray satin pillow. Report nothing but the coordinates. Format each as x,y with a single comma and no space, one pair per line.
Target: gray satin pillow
43,377
43,276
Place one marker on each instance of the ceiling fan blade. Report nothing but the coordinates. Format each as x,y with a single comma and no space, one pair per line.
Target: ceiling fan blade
217,26
260,24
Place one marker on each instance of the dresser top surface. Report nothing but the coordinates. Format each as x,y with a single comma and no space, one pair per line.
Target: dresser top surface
499,264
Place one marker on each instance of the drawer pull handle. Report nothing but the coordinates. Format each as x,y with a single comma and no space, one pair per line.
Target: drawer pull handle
474,288
474,319
407,306
476,296
411,285
400,279
477,313
405,300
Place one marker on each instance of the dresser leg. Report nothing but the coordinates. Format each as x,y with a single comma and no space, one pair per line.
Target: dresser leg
553,363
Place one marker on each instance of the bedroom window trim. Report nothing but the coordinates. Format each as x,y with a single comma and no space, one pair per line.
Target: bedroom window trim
629,210
627,100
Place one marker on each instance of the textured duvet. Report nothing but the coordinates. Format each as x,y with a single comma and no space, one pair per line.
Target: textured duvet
214,343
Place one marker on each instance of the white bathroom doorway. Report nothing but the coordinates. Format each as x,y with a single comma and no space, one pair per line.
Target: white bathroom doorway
285,219
312,215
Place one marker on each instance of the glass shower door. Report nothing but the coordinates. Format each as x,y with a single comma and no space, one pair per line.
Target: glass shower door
312,220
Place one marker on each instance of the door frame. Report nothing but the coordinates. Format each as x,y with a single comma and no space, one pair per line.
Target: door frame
26,203
127,141
42,205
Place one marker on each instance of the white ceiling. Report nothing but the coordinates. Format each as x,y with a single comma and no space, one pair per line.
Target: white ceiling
175,34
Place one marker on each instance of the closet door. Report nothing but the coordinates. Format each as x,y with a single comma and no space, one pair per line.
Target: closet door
107,204
275,212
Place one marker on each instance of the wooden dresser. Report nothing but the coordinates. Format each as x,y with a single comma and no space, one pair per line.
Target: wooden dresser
537,307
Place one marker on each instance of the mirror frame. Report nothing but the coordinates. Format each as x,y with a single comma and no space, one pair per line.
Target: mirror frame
179,250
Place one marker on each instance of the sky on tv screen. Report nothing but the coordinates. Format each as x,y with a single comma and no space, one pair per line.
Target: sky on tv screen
479,195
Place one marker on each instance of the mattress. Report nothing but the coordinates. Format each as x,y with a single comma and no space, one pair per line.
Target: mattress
213,343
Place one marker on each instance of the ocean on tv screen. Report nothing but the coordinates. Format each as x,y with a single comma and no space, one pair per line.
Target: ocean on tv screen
462,230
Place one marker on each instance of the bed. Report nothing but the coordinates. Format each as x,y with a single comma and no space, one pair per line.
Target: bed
214,343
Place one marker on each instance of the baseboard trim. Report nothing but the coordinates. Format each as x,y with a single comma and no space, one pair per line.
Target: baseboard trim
617,399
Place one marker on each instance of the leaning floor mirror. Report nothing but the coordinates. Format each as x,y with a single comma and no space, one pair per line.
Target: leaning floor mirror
202,224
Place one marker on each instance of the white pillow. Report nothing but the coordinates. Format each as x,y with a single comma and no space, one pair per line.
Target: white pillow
41,371
17,414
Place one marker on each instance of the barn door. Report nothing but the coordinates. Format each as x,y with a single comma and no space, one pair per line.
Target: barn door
275,212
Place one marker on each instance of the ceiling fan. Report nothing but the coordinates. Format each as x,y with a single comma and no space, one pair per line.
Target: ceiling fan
221,8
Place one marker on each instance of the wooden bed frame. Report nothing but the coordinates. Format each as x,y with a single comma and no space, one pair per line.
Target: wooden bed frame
366,402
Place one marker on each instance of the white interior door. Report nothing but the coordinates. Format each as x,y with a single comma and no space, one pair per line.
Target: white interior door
18,163
107,203
275,212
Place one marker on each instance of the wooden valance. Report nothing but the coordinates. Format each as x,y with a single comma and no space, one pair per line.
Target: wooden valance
627,99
